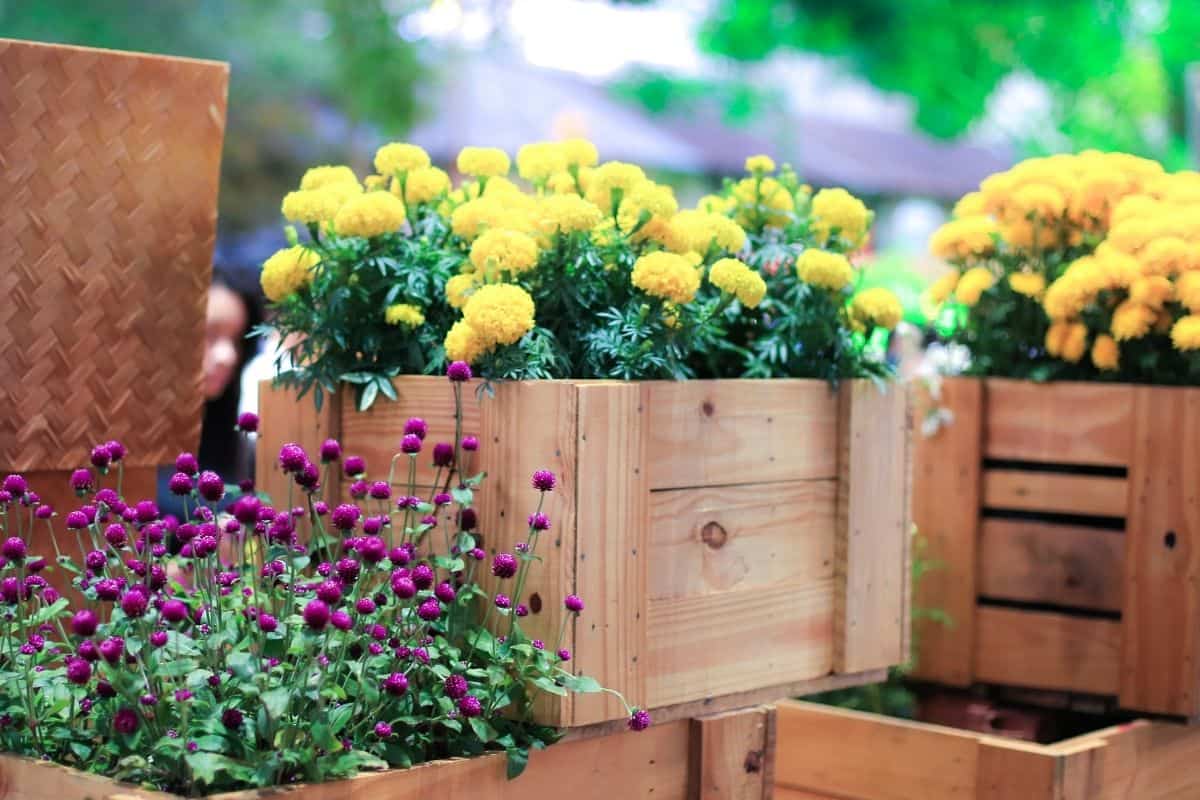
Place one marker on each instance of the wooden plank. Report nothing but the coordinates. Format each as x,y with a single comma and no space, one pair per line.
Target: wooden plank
697,644
723,432
710,540
1160,663
27,779
612,554
788,793
1052,492
1139,761
285,418
1062,565
1063,423
1010,769
872,533
732,754
945,503
1047,650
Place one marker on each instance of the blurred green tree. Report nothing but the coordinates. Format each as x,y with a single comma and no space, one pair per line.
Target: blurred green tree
1114,69
305,75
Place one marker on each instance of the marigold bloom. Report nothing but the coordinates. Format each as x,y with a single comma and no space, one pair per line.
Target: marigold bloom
837,213
483,162
404,314
667,276
500,314
824,269
1185,334
371,214
287,271
400,157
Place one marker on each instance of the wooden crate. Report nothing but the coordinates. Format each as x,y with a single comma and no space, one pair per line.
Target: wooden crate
828,753
720,757
1065,518
728,537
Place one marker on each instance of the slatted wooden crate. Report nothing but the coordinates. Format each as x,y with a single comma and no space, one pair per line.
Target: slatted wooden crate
730,538
831,754
718,757
1066,522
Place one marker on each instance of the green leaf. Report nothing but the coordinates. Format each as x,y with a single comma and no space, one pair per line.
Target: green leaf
464,497
518,759
206,766
482,729
338,718
369,392
242,664
581,684
548,685
276,701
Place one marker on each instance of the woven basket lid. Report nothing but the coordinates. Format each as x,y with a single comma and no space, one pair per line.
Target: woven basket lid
109,168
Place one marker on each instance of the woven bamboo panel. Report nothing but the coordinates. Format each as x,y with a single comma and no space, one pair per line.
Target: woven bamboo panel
109,167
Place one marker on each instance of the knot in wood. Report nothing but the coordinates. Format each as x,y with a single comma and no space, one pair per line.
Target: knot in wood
714,535
753,763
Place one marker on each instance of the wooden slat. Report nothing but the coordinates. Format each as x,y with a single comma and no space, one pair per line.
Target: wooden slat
1064,565
788,793
697,644
286,418
1047,650
27,779
710,540
611,532
1160,664
1010,770
945,502
733,754
1143,760
722,432
1063,423
872,535
1052,492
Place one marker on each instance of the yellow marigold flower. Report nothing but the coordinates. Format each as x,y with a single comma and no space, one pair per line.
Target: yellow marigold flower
939,291
1106,353
824,269
497,252
1131,320
1185,335
964,238
567,213
475,216
876,306
375,183
563,183
760,165
1074,343
404,314
320,177
1120,269
579,152
459,288
500,313
838,213
643,203
733,277
611,181
973,284
400,157
970,204
483,162
716,204
763,201
1025,235
462,343
1030,284
537,161
318,205
425,184
1038,200
1098,192
667,276
287,271
699,230
1187,289
370,214
1166,256
1131,235
1134,206
1152,291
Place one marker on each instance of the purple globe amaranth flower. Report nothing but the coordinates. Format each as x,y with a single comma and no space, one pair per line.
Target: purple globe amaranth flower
187,463
320,508
429,520
470,444
444,592
44,511
365,605
14,549
88,651
639,720
329,591
539,522
354,466
505,565
15,484
232,718
159,638
469,706
112,648
410,444
377,632
521,610
308,477
247,422
116,535
380,490
183,695
564,654
95,560
105,689
422,576
442,499
502,601
79,671
404,588
330,451
345,516
116,450
573,603
373,525
50,595
407,501
267,623
316,615
478,554
210,486
358,489
467,519
430,610
125,720
100,457
292,457
372,549
77,520
456,686
147,511
383,730
399,556
458,371
416,427
81,481
108,589
543,480
134,603
348,569
341,620
443,454
538,644
173,611
395,684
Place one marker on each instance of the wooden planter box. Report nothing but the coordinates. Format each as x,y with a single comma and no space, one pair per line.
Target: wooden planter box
721,757
827,753
1065,519
728,537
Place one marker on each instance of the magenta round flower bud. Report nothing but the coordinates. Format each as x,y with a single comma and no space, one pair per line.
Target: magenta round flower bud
108,589
543,480
410,444
100,457
125,721
345,516
44,512
112,648
639,720
430,610
85,622
573,603
396,684
148,699
365,605
372,549
292,457
183,695
81,480
470,706
443,454
77,520
309,476
422,576
245,509
158,638
79,671
458,371
247,422
348,569
354,466
477,553
173,611
116,535
470,444
373,525
359,489
564,654
16,485
502,601
539,521
180,484
383,730
134,603
329,591
211,487
146,511
316,615
232,718
416,427
13,549
116,450
404,588
380,490
456,687
521,610
341,620
95,560
444,592
504,565
267,623
330,450
320,508
187,464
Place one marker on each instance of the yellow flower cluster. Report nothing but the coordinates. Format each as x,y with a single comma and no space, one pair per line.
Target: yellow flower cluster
503,253
696,231
315,206
824,269
423,185
397,157
876,306
320,177
483,162
404,314
837,214
370,214
667,276
287,271
567,213
763,201
733,277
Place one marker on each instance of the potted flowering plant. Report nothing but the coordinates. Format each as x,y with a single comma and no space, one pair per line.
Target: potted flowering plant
1082,270
580,300
272,644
